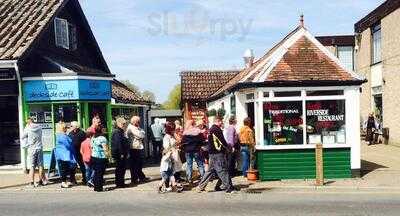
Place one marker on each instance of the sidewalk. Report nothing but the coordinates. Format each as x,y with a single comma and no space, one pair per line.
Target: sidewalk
380,172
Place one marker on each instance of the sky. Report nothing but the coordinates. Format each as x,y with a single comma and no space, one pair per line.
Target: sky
150,42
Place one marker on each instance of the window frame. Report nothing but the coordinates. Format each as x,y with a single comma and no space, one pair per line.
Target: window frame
352,56
61,43
374,29
303,98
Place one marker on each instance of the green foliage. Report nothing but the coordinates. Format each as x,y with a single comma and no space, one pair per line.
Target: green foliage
174,99
221,112
149,96
131,86
211,112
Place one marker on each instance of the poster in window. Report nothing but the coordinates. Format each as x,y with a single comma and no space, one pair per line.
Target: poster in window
326,118
283,123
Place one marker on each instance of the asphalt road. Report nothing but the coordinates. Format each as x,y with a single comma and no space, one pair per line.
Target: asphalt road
215,203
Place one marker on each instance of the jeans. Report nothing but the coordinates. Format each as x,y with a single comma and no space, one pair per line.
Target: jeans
99,167
136,166
120,169
89,173
157,149
190,156
245,152
82,166
232,158
218,167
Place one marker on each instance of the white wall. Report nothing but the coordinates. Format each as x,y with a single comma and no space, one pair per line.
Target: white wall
352,95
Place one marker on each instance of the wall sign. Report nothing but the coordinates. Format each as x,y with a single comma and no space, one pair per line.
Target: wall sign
57,90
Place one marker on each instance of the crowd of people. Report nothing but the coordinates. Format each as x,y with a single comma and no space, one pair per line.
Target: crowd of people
216,150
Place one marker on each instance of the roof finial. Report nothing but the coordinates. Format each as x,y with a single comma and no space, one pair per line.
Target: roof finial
302,20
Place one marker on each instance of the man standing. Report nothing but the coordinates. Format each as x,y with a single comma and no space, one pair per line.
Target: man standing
119,150
32,140
157,139
232,139
218,164
78,136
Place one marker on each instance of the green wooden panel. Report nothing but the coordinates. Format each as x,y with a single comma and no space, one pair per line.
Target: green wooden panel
300,164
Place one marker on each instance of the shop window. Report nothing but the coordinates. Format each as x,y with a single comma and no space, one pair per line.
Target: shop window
326,122
41,115
66,113
288,94
283,123
325,93
376,44
266,94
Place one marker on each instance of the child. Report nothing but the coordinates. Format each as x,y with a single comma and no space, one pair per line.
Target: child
86,152
167,174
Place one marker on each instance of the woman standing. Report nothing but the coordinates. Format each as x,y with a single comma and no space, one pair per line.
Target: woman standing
65,155
371,126
119,150
99,158
247,142
192,141
136,137
169,143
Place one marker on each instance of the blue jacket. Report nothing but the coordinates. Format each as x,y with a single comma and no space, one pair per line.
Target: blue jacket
65,151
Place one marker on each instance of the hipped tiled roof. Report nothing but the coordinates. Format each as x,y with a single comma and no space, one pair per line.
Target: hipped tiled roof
122,94
21,21
199,85
297,59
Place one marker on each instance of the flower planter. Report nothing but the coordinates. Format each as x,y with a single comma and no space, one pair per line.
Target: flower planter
252,175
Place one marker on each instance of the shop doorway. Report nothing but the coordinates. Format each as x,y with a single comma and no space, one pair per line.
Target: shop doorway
250,112
378,108
9,131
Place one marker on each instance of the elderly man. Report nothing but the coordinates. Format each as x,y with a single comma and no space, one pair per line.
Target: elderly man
78,136
136,137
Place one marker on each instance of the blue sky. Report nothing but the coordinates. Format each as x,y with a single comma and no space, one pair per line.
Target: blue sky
149,42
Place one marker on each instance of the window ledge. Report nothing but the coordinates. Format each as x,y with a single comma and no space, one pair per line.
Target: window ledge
308,146
376,63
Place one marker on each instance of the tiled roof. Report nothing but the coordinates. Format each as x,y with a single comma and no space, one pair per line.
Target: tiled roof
337,40
199,85
299,58
376,15
305,61
21,21
122,94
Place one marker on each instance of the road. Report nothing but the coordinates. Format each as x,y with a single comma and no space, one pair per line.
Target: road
150,203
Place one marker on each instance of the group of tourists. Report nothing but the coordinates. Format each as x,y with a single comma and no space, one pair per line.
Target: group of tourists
88,150
216,150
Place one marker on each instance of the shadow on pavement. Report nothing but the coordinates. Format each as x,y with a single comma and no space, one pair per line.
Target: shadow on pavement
368,166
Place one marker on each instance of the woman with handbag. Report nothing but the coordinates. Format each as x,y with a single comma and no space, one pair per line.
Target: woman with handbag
136,137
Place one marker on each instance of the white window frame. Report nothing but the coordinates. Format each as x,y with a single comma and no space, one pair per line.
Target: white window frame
66,25
261,100
374,51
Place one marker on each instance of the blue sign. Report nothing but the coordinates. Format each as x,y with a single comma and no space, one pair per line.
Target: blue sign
59,90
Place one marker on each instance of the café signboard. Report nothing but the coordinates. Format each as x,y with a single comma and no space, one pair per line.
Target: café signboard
62,90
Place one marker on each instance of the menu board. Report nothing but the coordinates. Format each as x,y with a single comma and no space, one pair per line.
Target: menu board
44,120
326,119
283,123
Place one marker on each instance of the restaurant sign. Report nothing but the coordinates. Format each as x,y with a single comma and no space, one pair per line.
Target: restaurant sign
58,90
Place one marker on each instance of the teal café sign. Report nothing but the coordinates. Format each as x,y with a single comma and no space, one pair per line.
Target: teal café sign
61,90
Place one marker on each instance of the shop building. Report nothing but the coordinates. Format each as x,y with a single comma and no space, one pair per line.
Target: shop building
51,70
377,57
298,94
197,87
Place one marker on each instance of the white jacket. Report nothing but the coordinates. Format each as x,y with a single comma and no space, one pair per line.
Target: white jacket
169,144
136,136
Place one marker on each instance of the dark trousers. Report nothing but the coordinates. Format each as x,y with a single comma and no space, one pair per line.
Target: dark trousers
120,169
232,159
136,166
157,149
99,167
66,169
82,168
218,166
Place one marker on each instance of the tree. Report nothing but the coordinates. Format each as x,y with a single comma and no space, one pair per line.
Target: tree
149,96
174,98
